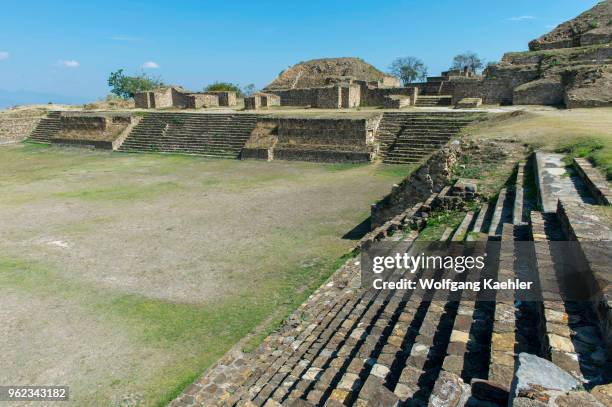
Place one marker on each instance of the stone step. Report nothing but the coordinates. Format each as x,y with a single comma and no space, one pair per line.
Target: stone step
572,337
595,182
504,344
554,182
496,224
517,213
341,344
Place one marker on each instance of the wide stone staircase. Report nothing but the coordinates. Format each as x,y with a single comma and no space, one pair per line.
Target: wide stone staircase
214,135
351,346
47,127
433,100
408,137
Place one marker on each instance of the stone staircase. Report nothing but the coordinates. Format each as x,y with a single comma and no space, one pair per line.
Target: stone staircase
47,127
350,346
433,100
214,135
408,137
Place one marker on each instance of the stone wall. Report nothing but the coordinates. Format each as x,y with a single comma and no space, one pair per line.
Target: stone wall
351,96
321,156
15,128
225,98
327,97
348,133
85,123
261,100
202,100
548,91
430,177
312,139
498,85
142,100
95,130
297,97
377,96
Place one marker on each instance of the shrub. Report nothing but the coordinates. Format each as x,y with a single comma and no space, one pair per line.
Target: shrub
125,86
227,86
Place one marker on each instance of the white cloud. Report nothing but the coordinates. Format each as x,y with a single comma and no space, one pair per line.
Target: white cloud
150,65
521,18
69,63
4,55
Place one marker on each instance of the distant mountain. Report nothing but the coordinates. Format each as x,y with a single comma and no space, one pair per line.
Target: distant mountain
10,98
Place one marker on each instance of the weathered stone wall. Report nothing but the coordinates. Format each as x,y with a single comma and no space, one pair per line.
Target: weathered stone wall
312,139
431,177
95,130
261,100
390,82
297,97
225,98
163,98
351,96
86,123
321,156
548,91
142,100
201,100
498,85
396,101
377,96
328,98
348,133
14,128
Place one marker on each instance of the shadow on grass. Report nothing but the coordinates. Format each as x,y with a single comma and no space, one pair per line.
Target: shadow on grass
360,230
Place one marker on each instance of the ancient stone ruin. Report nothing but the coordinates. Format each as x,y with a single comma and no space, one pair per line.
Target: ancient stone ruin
174,97
571,66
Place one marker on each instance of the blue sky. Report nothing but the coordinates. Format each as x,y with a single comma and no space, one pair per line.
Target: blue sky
68,48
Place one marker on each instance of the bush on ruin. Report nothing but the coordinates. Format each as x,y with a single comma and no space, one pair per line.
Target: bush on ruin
125,86
224,86
408,69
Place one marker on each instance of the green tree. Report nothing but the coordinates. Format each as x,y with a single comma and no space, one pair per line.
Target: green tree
408,69
125,86
249,90
227,86
468,59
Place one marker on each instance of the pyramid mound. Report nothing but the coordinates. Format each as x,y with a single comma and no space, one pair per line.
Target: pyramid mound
316,71
594,26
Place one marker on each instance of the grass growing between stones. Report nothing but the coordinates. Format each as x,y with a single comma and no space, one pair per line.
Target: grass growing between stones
592,149
125,276
437,223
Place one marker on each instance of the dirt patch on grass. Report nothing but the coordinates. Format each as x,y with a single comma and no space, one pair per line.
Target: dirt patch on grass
154,265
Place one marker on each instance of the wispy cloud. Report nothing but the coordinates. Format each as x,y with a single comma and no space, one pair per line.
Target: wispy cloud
69,63
127,38
4,55
521,18
150,65
551,26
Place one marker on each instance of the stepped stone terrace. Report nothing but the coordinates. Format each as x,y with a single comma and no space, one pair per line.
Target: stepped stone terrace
394,137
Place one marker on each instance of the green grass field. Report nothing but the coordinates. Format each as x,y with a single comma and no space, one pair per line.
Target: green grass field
125,276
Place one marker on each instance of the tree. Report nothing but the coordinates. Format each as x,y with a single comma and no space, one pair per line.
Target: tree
125,86
468,60
249,90
220,86
408,69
